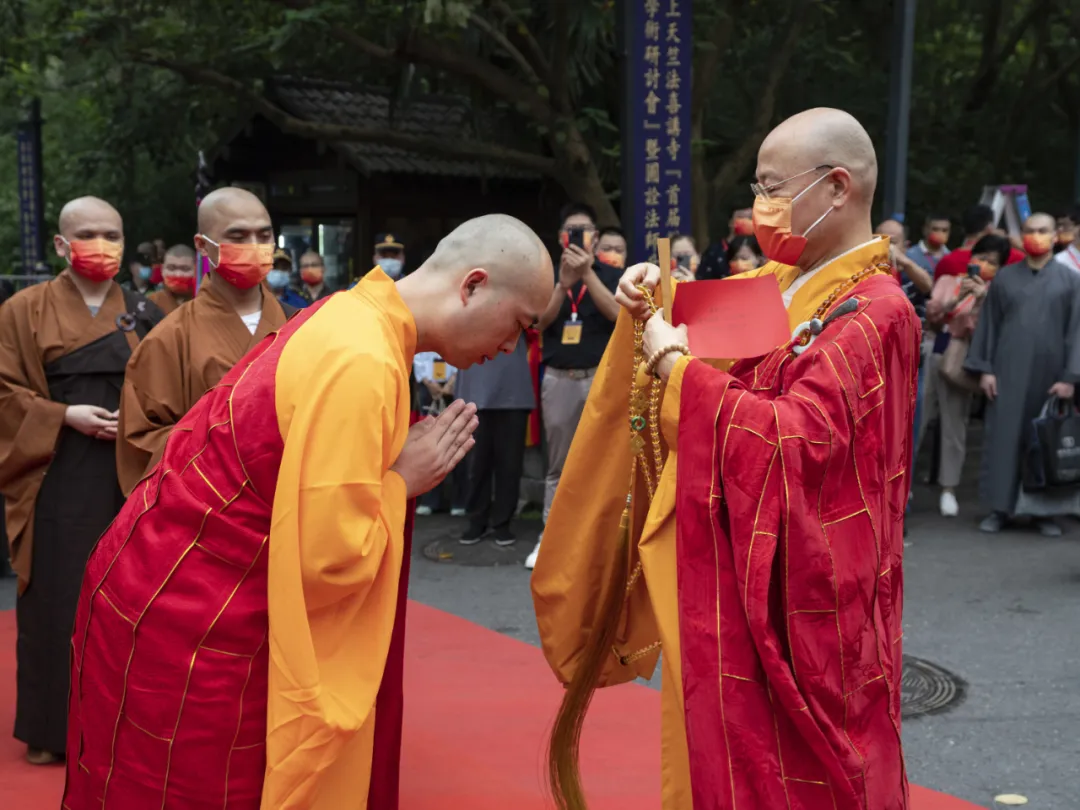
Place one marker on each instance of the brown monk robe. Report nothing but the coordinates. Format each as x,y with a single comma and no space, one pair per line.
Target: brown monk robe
63,348
200,342
178,276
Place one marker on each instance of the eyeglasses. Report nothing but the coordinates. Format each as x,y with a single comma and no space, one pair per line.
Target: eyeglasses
763,191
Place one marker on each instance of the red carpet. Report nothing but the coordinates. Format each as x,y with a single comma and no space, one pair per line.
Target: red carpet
478,708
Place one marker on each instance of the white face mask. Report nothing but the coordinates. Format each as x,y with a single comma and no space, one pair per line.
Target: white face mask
392,267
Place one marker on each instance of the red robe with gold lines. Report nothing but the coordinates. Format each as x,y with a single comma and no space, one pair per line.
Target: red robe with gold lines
239,637
790,540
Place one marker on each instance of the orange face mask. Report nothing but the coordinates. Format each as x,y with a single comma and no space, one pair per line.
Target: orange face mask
611,258
987,271
243,264
772,227
741,266
1066,237
95,259
180,285
1037,244
311,275
744,226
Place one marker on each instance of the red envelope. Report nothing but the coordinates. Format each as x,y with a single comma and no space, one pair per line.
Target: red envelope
732,318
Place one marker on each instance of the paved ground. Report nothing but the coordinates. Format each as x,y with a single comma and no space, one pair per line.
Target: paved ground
1001,612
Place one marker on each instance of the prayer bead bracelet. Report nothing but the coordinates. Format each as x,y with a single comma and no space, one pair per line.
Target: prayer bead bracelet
660,354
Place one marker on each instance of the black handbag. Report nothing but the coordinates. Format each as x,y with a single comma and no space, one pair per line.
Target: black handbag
1052,457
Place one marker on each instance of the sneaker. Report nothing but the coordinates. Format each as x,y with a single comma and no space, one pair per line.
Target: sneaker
530,561
992,523
38,756
423,511
1048,527
948,505
472,535
459,512
504,537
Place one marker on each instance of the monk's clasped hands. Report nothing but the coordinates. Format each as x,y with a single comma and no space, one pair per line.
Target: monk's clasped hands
435,446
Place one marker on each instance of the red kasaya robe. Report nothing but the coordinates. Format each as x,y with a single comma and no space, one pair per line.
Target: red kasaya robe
790,507
239,639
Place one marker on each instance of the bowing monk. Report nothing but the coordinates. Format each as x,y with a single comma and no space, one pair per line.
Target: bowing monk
63,347
190,354
768,566
239,636
178,276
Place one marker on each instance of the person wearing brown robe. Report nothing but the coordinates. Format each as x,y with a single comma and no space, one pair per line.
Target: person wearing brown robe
198,344
64,345
178,277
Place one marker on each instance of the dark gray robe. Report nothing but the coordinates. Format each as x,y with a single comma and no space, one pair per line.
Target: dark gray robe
1028,336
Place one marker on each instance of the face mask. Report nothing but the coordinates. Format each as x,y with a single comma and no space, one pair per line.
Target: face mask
95,259
744,227
180,285
611,258
1066,238
277,279
243,265
311,275
1037,244
741,266
392,267
772,227
935,239
145,271
986,270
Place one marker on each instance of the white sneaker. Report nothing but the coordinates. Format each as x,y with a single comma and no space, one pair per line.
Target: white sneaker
530,561
423,511
948,505
458,513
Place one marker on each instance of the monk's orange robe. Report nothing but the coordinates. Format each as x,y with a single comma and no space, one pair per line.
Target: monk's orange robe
167,301
772,571
238,641
184,358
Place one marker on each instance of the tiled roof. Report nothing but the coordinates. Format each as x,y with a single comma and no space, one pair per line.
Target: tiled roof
438,116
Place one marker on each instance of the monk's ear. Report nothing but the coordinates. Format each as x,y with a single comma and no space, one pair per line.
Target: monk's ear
474,279
842,182
61,246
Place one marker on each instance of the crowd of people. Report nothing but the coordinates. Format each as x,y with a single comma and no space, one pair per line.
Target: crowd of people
153,439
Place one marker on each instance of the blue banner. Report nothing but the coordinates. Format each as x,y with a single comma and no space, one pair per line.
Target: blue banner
661,49
30,203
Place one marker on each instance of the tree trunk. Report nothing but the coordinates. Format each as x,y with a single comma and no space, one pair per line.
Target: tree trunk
576,172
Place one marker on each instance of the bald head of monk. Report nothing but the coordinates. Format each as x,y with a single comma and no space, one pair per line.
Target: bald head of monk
1039,232
824,161
896,232
87,218
232,216
486,282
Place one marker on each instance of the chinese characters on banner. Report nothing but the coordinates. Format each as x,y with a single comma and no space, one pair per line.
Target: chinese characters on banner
662,54
30,204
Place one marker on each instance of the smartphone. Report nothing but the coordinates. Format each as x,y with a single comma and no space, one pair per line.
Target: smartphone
973,271
683,260
575,235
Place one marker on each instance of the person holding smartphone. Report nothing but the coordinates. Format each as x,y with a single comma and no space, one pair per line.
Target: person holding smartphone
576,325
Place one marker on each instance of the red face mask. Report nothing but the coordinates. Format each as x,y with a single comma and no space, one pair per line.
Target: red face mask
311,275
180,285
611,258
243,265
1037,244
95,259
935,239
744,226
740,266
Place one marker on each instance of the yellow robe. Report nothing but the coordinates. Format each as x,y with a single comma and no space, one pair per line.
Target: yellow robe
573,570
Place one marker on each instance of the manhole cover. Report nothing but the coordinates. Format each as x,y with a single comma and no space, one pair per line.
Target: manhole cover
926,688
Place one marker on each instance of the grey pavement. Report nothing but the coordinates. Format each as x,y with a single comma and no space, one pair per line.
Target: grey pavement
1001,612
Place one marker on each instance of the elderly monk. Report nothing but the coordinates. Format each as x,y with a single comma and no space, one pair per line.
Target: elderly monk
178,276
63,348
239,639
233,311
770,557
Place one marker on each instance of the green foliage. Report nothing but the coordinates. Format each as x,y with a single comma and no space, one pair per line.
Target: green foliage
117,125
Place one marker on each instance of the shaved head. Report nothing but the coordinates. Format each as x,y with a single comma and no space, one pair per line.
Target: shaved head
1040,222
824,162
894,230
181,252
486,282
231,207
92,212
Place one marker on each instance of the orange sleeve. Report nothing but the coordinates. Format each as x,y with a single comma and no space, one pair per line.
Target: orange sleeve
336,543
151,403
